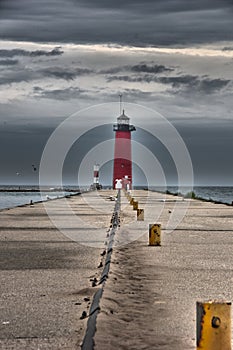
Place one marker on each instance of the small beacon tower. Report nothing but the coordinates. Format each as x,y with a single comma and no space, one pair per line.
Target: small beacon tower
96,184
122,169
96,175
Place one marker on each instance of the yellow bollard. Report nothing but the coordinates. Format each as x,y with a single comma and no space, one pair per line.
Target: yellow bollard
135,205
213,325
140,214
155,234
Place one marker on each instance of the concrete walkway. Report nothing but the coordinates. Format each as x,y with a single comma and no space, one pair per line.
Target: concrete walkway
149,300
45,275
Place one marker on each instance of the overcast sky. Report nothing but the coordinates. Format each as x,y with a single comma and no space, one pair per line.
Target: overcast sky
60,56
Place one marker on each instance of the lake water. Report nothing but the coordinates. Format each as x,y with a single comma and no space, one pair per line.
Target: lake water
222,194
12,199
9,199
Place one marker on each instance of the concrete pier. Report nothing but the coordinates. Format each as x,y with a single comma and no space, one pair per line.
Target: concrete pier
45,276
149,299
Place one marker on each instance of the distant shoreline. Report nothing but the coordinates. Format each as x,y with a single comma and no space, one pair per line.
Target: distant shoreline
220,195
192,195
38,190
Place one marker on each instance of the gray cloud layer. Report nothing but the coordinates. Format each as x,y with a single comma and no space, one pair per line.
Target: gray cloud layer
37,53
176,81
161,22
180,84
40,86
8,62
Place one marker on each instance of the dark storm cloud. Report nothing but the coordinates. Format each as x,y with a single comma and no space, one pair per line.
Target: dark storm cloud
70,93
212,85
227,48
37,53
113,70
182,83
193,84
159,5
8,62
187,80
150,68
152,71
57,73
16,77
148,78
24,74
66,74
132,79
142,23
139,68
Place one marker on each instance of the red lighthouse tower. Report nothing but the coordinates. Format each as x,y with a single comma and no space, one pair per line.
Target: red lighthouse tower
122,171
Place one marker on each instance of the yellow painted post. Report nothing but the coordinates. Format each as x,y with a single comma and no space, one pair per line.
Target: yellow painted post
213,325
131,201
140,214
135,205
155,234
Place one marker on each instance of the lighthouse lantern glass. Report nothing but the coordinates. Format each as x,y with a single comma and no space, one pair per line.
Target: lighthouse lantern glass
123,120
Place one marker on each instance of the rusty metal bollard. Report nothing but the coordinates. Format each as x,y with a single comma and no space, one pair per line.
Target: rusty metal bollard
213,325
140,214
131,201
135,205
154,234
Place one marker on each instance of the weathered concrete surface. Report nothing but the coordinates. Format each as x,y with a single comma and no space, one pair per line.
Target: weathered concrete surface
149,300
45,276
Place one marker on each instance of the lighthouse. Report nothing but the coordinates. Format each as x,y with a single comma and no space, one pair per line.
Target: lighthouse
96,184
122,169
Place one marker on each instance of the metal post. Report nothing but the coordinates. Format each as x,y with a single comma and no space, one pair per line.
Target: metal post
213,325
140,214
135,205
154,234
